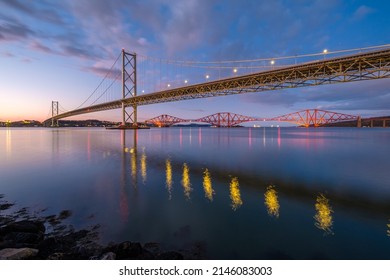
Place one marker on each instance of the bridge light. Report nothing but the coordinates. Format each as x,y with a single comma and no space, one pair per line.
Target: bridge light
169,85
185,81
235,70
207,76
325,51
143,91
272,62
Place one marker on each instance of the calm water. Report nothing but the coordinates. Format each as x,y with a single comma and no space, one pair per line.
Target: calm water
242,193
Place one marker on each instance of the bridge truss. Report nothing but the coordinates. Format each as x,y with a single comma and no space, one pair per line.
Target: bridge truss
225,119
314,117
309,117
165,120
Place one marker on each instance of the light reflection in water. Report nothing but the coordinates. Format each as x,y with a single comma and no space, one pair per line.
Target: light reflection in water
168,173
186,181
8,140
388,229
323,215
207,185
250,137
271,201
133,162
200,136
143,166
235,194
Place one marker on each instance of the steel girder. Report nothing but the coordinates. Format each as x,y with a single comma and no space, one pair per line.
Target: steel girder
359,67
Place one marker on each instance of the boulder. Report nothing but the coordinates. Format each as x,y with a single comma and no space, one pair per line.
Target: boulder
17,254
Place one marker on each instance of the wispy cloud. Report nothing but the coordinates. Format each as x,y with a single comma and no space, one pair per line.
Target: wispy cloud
374,95
362,12
14,31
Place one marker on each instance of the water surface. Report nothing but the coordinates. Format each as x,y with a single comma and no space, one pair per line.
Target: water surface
239,193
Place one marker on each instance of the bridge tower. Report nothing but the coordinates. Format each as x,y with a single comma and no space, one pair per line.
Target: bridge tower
129,87
54,112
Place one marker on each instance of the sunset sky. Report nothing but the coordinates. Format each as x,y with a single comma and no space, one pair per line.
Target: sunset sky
55,50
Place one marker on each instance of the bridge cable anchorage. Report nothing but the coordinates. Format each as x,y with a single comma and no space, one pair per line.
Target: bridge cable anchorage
191,80
306,118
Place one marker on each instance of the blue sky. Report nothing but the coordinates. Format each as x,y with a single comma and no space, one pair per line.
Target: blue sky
56,50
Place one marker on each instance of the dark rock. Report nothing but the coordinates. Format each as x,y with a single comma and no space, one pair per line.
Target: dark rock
57,256
86,251
24,237
23,226
108,256
6,206
48,246
153,248
64,214
172,255
5,220
126,250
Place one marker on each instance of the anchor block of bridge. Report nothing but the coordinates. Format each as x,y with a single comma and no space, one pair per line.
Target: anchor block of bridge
165,120
225,119
314,117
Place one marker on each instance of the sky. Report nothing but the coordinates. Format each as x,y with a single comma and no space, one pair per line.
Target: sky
58,50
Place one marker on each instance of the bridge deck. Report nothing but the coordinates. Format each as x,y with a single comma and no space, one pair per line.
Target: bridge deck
358,67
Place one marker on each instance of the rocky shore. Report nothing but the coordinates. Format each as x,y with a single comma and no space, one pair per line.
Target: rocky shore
38,237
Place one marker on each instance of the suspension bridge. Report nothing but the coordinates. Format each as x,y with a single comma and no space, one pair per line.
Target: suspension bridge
161,80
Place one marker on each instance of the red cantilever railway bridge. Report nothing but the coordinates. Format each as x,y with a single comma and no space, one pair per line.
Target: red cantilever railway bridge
309,117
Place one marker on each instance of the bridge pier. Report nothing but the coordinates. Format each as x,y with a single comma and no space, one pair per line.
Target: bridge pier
372,123
384,123
359,121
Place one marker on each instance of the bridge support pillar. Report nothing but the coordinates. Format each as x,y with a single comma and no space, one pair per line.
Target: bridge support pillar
129,88
54,112
359,121
372,123
384,123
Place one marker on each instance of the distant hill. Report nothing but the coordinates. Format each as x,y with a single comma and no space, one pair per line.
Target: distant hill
377,122
62,123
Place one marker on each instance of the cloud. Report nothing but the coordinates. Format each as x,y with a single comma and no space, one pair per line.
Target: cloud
7,54
374,95
14,31
103,71
38,46
361,13
48,13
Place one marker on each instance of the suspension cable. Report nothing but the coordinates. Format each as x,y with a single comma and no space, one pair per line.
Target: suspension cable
101,82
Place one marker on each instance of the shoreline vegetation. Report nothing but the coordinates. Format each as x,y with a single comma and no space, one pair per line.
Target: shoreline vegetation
36,236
